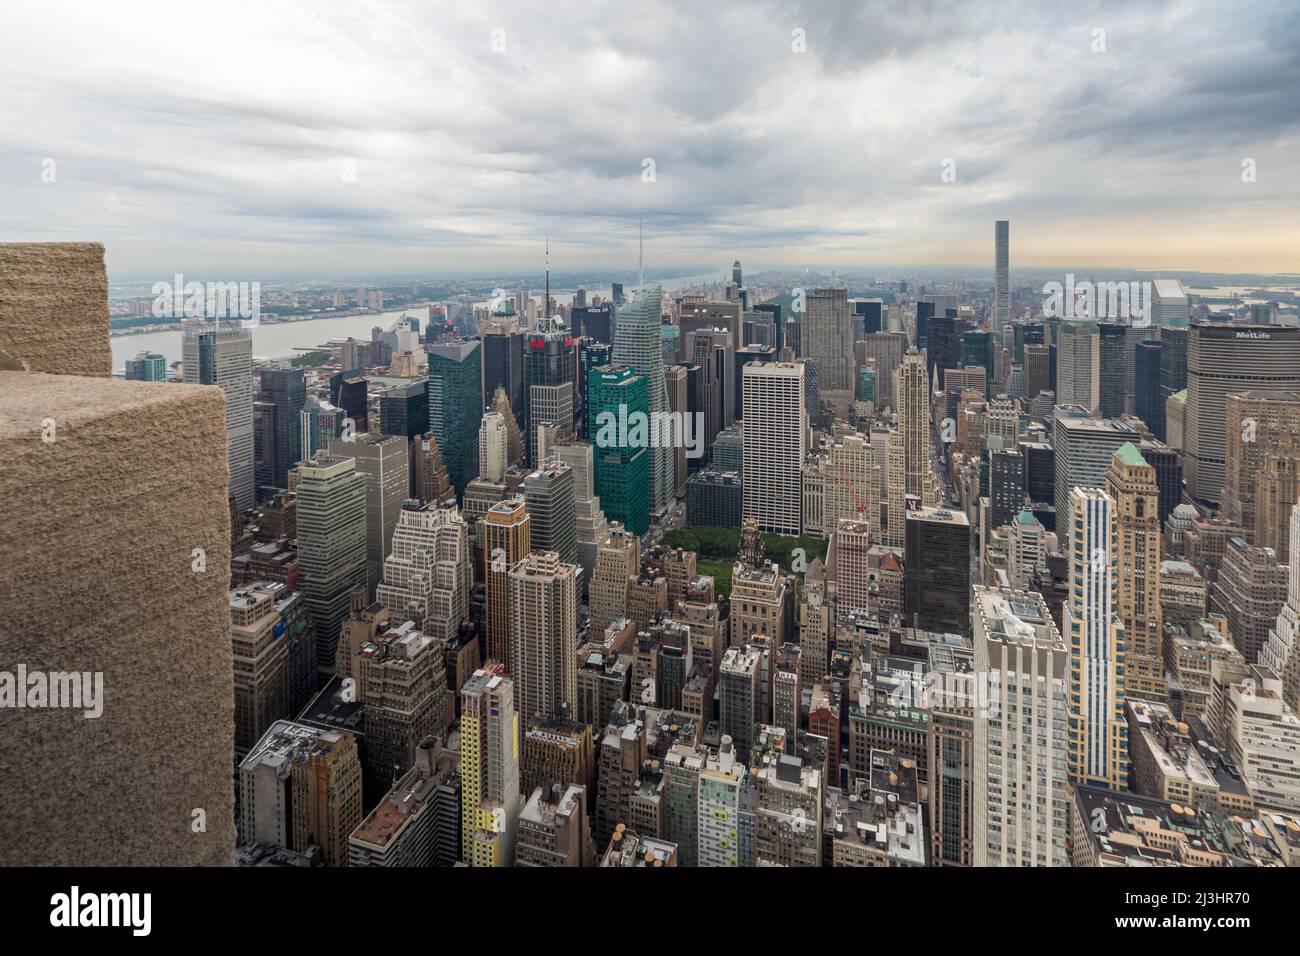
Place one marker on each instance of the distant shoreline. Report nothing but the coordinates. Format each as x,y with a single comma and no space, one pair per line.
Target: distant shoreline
274,319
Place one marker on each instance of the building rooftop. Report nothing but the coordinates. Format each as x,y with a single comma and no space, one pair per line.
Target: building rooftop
1129,455
883,820
330,710
1016,617
627,848
552,804
1129,830
1026,517
1169,742
287,741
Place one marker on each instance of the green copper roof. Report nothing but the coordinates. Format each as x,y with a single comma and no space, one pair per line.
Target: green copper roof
1129,455
1180,396
1026,517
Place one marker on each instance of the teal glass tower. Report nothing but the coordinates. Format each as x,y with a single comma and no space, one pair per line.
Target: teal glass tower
619,430
456,407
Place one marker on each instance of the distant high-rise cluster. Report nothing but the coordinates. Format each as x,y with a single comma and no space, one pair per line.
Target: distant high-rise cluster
769,570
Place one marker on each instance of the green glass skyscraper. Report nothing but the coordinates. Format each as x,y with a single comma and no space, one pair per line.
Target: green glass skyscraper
639,344
456,407
618,427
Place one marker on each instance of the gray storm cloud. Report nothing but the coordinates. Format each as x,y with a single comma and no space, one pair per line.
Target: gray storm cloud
393,135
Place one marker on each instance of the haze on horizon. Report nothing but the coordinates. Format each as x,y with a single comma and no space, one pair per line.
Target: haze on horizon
401,137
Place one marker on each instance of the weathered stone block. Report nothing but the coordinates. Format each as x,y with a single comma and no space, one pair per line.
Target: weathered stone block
109,488
54,308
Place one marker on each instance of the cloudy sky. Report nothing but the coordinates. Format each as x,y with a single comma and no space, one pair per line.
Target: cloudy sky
267,138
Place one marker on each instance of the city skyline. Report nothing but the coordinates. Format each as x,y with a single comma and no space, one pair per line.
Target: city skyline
502,436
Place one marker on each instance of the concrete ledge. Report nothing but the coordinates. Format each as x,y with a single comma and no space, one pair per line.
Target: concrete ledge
97,545
54,308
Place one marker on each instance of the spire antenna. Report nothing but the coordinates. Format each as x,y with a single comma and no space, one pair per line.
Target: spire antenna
640,256
546,305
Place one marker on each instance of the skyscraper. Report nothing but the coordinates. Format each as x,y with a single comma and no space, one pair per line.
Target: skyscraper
417,823
489,767
909,445
828,338
146,367
1006,485
617,563
951,754
1282,652
456,407
740,697
1250,593
943,346
718,806
887,349
1001,274
1078,364
404,409
506,541
503,362
544,635
331,546
1131,482
677,380
428,575
1258,425
924,316
851,482
1148,403
1222,359
261,663
937,560
639,344
550,368
286,391
1114,367
775,445
222,355
514,437
1082,449
854,590
320,423
554,829
619,430
592,525
1022,793
1169,307
695,314
350,391
301,785
552,505
1098,741
401,679
429,481
1173,360
493,447
1038,370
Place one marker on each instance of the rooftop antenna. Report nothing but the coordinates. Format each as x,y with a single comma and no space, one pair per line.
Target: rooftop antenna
546,307
640,256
